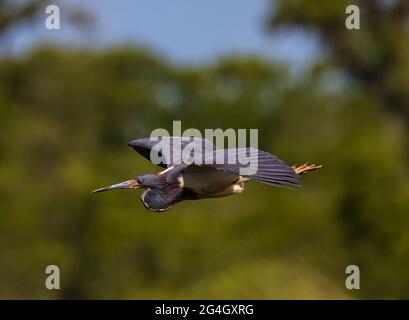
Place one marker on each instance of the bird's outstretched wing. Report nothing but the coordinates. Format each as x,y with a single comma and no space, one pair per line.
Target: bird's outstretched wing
269,169
165,146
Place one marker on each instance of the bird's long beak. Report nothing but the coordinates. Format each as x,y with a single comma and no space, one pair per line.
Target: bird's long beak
130,184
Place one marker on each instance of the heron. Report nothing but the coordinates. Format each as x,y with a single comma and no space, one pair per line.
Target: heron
187,180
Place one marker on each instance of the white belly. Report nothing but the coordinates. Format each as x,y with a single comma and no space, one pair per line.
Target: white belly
213,184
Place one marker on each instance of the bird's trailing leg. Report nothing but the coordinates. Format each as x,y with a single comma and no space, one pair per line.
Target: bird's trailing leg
306,167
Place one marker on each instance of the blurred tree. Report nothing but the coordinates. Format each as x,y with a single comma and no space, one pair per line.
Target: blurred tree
14,13
375,57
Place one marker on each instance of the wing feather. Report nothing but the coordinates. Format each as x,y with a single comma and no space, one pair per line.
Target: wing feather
270,169
144,147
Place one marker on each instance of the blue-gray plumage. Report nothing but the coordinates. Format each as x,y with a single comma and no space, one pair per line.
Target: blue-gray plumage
186,179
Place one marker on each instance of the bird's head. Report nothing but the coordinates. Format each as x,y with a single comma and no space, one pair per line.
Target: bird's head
145,181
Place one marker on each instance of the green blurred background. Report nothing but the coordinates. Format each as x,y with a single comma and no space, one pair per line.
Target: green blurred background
67,113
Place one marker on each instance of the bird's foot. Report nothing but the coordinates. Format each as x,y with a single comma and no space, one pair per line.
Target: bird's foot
306,167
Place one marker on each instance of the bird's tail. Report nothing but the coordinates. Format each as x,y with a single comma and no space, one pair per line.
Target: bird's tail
306,167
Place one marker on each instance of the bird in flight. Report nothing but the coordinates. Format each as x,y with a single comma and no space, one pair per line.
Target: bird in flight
187,180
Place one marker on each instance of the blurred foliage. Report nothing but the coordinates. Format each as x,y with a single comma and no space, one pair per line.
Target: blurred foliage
14,13
66,116
374,57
